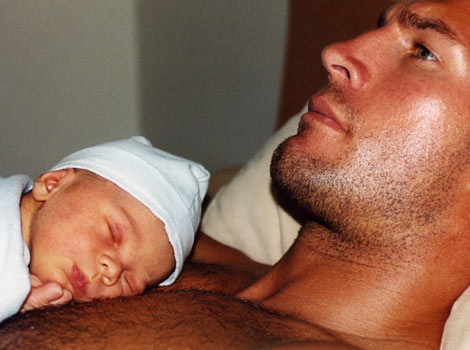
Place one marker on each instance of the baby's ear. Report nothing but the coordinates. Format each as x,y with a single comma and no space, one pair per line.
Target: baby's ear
47,183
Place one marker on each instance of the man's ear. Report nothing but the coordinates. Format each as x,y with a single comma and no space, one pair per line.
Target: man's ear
49,182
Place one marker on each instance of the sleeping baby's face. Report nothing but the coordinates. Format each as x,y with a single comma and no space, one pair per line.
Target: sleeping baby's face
95,239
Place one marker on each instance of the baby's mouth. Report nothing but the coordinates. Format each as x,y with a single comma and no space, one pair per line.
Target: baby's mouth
79,281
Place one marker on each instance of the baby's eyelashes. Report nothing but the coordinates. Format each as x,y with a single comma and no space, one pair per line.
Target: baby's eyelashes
116,234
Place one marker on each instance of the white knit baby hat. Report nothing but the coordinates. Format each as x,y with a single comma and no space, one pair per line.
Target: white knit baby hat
171,187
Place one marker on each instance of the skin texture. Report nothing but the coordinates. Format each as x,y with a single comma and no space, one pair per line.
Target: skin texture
380,167
386,182
90,238
416,150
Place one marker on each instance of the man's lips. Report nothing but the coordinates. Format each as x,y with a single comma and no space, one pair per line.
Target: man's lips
320,110
79,281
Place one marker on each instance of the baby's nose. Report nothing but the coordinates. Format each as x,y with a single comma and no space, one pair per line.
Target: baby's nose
110,269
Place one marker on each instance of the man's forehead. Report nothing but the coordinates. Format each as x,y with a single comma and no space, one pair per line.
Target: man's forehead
408,3
453,16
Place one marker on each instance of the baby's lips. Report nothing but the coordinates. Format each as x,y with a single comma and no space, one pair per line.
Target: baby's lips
79,281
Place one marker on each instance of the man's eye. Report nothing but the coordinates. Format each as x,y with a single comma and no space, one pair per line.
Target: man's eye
421,52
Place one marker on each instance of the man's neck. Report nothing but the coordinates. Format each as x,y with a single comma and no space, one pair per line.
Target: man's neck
366,296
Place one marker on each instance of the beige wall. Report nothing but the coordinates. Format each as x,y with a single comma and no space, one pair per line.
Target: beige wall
200,79
210,75
68,78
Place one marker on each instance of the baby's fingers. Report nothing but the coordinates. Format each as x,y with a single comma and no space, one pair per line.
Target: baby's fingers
64,299
46,294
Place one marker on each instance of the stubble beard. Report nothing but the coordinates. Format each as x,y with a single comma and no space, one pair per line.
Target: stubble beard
376,194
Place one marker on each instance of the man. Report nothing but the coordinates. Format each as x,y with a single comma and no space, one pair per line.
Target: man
380,168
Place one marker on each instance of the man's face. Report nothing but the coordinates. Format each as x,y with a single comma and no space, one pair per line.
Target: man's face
385,146
96,240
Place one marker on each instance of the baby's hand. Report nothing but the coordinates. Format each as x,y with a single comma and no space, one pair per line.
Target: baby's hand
43,294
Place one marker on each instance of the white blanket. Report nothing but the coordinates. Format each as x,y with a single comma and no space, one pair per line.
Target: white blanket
14,254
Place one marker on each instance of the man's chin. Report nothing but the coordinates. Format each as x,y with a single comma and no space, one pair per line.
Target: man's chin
277,167
299,179
285,174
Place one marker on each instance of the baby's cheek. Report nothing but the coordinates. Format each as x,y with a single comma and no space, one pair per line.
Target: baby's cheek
80,245
74,247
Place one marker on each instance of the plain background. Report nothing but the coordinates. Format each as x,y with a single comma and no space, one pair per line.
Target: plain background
208,80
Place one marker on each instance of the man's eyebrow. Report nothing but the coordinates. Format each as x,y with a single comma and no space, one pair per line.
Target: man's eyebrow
409,19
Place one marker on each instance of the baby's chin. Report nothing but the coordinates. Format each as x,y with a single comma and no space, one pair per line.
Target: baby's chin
81,298
91,295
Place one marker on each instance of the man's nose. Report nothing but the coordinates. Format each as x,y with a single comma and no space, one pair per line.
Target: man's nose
345,65
110,269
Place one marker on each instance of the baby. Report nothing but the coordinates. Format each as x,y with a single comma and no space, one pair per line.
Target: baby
106,221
